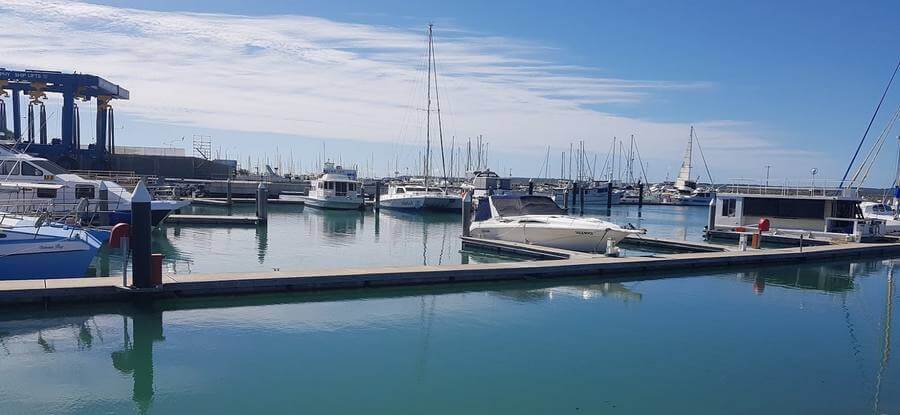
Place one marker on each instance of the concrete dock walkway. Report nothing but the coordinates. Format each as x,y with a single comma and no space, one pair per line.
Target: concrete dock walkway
14,293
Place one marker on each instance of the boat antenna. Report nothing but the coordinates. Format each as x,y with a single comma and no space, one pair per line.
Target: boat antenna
871,120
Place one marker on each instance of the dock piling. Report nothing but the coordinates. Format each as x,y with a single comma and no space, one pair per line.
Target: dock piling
581,201
466,213
711,219
103,206
141,226
640,197
566,199
530,187
574,195
228,191
377,195
262,200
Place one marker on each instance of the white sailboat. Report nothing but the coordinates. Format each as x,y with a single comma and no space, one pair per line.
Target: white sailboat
425,196
540,221
685,191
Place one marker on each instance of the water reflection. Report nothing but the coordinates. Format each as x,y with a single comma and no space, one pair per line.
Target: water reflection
462,314
136,356
262,242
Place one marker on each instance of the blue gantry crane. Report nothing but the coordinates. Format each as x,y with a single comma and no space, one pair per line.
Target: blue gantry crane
74,87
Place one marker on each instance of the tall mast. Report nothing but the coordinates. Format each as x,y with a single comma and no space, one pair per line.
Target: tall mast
437,98
428,112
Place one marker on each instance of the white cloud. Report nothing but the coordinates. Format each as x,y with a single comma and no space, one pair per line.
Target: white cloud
317,78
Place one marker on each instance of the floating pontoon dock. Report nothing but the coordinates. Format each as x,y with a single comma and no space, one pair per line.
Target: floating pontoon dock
110,288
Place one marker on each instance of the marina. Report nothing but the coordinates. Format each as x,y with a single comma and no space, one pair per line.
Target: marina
477,216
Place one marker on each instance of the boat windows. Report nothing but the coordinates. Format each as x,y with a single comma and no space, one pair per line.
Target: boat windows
29,170
399,190
86,192
10,168
435,191
351,187
320,185
329,185
728,207
786,208
45,193
526,205
340,188
49,167
415,189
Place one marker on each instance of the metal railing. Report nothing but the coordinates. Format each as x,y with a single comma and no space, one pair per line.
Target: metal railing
787,187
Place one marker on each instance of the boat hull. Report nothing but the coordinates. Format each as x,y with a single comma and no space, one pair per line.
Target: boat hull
55,252
336,203
585,239
431,203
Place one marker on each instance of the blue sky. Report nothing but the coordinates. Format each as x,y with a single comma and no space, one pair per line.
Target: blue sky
787,84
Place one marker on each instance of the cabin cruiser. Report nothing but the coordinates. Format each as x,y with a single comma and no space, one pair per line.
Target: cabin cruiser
539,220
415,197
882,211
34,248
34,184
334,189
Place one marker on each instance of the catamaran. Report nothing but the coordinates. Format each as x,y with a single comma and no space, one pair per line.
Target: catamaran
426,196
539,220
34,184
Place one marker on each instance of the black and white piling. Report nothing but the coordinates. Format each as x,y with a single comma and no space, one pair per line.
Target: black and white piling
640,197
141,227
574,195
581,201
262,201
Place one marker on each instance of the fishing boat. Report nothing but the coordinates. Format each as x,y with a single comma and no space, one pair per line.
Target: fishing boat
34,184
539,220
334,189
34,248
427,196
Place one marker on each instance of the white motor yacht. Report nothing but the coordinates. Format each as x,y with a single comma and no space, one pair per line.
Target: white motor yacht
540,221
883,211
334,191
34,184
416,197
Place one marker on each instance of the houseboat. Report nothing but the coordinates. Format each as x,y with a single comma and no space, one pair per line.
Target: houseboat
789,215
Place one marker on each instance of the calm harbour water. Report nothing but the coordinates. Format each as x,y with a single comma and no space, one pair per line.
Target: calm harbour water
298,237
811,339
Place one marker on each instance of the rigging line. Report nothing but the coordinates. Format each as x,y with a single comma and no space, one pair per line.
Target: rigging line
640,160
874,114
708,174
880,143
876,148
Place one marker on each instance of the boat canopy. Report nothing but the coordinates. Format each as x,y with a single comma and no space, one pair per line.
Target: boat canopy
525,205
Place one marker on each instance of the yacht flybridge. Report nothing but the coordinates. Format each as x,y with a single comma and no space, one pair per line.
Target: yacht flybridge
34,184
540,221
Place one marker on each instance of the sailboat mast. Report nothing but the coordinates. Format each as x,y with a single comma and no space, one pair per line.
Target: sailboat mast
690,154
437,98
428,112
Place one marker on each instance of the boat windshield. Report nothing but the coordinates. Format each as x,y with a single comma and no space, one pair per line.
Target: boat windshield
415,189
526,205
49,166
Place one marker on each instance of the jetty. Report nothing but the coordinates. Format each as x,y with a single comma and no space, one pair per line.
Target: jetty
90,290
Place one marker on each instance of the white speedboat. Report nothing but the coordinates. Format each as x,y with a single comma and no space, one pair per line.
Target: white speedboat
31,248
883,211
33,184
417,197
334,191
540,221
